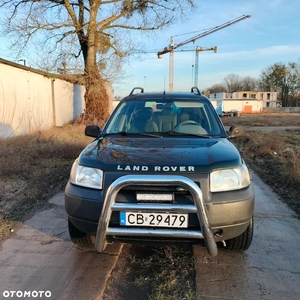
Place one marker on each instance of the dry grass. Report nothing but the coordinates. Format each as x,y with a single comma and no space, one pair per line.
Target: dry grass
153,273
34,167
274,155
271,119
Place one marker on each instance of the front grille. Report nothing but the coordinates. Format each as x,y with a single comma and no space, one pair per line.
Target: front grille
181,194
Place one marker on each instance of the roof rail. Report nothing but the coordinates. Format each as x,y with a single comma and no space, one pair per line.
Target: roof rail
195,90
136,88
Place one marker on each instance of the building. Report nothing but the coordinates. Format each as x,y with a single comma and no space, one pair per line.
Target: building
243,102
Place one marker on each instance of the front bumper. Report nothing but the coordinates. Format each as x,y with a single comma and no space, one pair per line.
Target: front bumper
217,220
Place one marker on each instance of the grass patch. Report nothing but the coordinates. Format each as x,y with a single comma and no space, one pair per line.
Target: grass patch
153,273
273,155
35,167
270,119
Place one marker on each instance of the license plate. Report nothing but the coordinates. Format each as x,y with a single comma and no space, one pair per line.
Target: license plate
153,219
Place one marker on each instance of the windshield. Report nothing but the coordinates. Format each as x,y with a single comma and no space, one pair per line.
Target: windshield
159,116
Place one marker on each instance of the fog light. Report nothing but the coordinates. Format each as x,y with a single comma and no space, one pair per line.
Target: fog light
218,233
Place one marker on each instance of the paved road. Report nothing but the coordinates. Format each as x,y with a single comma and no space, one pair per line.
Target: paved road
39,257
268,270
272,128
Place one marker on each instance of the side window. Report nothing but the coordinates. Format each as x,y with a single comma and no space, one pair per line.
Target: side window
205,123
209,121
120,119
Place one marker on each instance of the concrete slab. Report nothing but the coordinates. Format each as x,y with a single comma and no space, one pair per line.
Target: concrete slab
39,256
269,269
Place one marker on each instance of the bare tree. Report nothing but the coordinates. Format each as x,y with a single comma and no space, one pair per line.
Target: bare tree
91,30
232,83
217,88
248,84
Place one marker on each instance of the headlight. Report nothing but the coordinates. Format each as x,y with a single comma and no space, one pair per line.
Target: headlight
85,176
229,179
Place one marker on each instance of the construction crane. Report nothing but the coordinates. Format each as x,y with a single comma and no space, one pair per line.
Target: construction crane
173,46
195,49
198,50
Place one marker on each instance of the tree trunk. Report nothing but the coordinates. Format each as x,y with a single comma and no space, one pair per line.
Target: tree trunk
96,98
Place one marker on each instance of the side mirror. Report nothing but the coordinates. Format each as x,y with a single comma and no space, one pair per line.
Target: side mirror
236,131
92,130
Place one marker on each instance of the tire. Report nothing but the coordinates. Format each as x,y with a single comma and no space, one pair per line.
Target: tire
243,241
79,237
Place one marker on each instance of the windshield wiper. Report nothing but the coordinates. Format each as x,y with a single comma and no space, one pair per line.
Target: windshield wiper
114,133
124,133
172,132
147,134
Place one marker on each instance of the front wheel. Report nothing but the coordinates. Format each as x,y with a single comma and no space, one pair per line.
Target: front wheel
243,241
79,237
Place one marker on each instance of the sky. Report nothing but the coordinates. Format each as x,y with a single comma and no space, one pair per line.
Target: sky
271,35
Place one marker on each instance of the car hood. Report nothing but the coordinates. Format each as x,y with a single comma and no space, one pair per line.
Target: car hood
160,154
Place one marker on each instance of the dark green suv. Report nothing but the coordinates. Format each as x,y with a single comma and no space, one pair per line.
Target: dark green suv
162,170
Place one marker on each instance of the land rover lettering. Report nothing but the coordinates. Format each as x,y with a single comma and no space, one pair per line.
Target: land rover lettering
133,168
156,168
174,169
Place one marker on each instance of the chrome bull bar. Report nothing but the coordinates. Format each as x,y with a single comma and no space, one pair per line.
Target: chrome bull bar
110,205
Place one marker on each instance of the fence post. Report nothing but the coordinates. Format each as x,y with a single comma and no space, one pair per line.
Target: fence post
53,101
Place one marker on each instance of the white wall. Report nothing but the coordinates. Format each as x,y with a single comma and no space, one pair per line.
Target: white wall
242,101
25,101
240,105
68,102
31,100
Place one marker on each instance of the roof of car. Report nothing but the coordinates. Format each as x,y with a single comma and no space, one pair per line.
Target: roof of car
194,94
